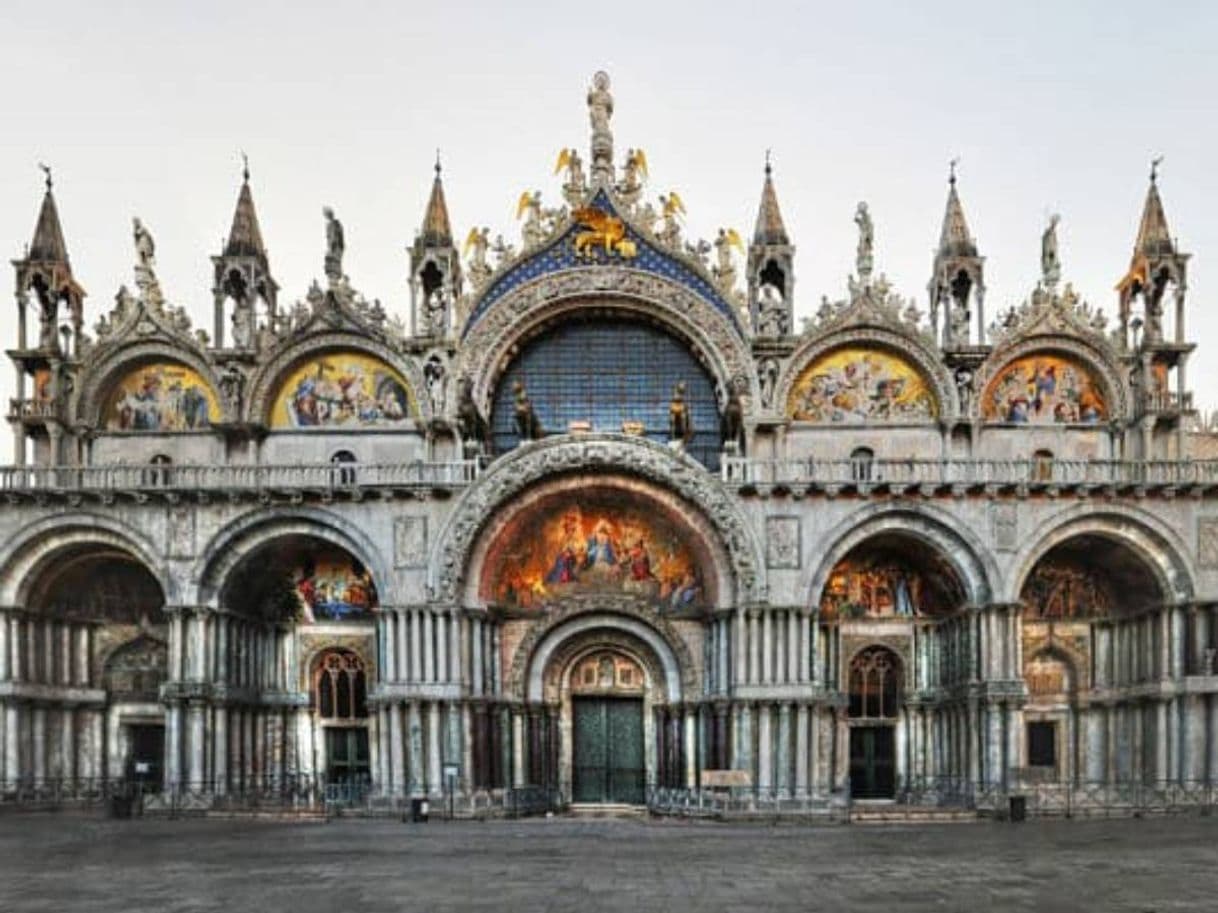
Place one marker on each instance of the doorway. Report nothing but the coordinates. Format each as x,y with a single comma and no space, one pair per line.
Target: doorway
608,750
347,764
872,762
146,758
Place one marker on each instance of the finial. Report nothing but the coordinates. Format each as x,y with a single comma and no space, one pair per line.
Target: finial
245,166
437,161
1154,168
46,170
768,167
951,171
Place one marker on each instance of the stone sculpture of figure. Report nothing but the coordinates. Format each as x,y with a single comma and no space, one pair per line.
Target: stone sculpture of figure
768,372
532,232
725,269
503,251
476,244
771,312
575,184
335,245
958,319
863,259
1050,263
647,217
470,423
964,390
232,382
243,325
600,103
680,425
436,378
732,425
437,313
145,247
528,428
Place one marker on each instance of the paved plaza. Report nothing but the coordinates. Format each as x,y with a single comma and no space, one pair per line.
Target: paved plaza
62,863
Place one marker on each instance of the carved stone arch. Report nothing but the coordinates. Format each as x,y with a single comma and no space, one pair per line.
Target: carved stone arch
32,548
1159,546
1103,363
313,649
528,464
1060,650
975,567
106,368
240,538
533,654
266,380
579,646
907,346
491,342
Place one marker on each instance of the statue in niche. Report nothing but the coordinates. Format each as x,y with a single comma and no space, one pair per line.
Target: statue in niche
680,423
335,246
958,319
771,312
436,377
1050,263
232,382
243,325
528,427
48,313
768,373
863,257
732,424
436,315
964,390
472,426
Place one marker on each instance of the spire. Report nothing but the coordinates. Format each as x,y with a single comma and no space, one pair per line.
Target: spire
770,229
955,240
245,237
1154,237
48,244
437,230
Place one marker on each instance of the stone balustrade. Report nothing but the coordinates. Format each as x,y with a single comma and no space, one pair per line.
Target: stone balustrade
745,472
256,479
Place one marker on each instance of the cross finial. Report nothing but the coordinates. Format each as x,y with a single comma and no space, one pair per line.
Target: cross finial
768,167
951,170
437,161
245,166
1154,168
46,170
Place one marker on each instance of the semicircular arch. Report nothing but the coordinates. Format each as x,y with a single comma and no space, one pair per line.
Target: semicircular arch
97,387
602,454
913,353
1092,361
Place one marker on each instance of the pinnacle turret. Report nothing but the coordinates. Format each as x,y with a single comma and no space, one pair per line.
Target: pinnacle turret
437,230
770,228
957,282
245,236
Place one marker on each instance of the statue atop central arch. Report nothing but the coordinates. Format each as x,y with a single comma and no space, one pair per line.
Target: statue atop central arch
600,109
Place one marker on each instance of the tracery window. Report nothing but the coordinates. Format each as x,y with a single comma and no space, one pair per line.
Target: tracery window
341,687
875,684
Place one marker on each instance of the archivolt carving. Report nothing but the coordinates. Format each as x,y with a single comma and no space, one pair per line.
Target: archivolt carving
515,472
908,346
625,607
485,350
265,381
1103,363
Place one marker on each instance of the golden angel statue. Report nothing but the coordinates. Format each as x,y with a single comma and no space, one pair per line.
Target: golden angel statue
671,210
634,175
529,207
573,187
479,270
725,270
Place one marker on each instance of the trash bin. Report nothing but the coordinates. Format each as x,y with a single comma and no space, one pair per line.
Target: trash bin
1019,808
418,811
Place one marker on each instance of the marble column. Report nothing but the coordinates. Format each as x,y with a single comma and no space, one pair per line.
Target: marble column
434,749
398,779
691,747
801,750
765,762
429,646
783,778
415,760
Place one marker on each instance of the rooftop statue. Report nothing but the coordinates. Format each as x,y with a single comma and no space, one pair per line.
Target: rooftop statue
600,109
864,257
145,261
335,245
1050,263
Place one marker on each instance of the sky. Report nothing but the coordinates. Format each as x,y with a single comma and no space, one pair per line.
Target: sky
143,109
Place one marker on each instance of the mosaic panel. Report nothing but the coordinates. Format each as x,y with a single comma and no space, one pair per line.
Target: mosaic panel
343,390
161,396
1044,390
859,384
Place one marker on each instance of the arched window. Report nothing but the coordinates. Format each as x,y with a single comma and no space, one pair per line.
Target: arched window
875,684
341,688
862,461
158,475
343,472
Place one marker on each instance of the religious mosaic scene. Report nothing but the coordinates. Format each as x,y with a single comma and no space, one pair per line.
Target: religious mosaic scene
593,516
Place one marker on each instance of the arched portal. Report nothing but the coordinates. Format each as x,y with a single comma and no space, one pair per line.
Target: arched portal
1089,576
339,698
891,574
610,374
876,685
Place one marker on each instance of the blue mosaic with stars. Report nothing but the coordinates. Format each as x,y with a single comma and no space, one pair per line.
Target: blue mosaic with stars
560,255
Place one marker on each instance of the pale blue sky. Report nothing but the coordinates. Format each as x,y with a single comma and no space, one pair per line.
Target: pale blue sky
142,107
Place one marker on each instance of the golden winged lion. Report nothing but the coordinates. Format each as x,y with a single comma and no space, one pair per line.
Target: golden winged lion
603,230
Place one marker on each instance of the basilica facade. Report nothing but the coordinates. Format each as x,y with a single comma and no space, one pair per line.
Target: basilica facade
594,514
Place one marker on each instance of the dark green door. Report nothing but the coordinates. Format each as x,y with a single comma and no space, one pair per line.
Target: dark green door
873,762
347,757
608,750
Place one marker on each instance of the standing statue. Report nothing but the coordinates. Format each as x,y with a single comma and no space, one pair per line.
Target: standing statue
528,427
529,206
243,325
768,373
864,257
731,426
600,109
232,381
771,312
680,424
964,390
1050,263
480,271
436,377
634,173
472,426
575,184
145,263
958,319
335,246
436,315
725,269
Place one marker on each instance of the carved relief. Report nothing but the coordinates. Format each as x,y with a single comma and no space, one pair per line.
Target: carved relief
1004,526
1207,542
782,543
410,542
181,531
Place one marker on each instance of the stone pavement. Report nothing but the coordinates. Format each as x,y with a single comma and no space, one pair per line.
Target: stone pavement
64,863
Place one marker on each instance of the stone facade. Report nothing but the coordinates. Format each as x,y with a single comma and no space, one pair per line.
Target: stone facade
930,555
